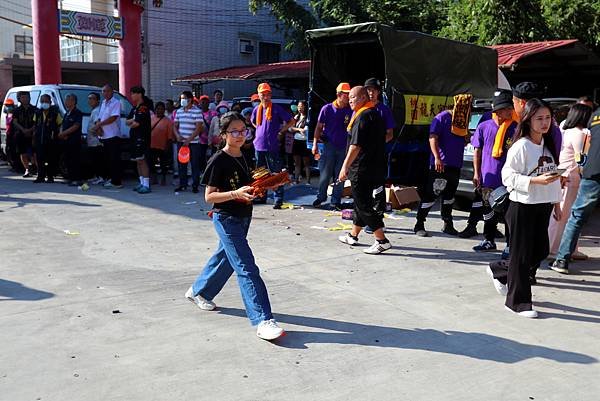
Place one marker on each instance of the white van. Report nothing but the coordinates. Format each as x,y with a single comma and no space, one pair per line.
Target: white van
58,93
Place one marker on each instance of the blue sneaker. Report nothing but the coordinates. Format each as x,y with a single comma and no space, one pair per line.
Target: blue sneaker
137,187
144,190
485,246
506,253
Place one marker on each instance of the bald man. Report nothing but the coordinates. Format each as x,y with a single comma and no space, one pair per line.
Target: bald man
365,166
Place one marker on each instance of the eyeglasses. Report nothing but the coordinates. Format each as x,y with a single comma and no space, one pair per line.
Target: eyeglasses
237,133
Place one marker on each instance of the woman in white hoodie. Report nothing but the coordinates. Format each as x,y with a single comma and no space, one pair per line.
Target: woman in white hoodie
532,179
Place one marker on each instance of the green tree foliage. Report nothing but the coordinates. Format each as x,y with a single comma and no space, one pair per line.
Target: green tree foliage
485,22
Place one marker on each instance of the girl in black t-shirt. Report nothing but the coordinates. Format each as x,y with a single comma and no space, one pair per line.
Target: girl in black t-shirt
227,178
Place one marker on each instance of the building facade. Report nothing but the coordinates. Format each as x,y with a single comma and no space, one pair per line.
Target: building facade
182,37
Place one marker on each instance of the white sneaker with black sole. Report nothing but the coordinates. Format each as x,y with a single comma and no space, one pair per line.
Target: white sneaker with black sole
378,248
269,330
199,301
502,289
348,239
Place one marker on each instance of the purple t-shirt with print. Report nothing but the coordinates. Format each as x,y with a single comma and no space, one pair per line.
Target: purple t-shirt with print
335,121
450,146
265,139
484,138
387,116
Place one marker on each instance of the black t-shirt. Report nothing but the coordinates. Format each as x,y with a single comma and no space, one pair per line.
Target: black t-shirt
141,115
73,117
228,173
24,116
368,132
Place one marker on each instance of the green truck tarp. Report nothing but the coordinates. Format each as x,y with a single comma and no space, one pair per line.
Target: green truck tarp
420,74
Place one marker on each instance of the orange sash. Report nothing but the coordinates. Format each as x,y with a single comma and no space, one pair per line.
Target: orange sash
259,113
336,104
366,106
498,148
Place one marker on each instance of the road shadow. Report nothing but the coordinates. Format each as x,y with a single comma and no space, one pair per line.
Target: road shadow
14,291
22,202
576,314
472,345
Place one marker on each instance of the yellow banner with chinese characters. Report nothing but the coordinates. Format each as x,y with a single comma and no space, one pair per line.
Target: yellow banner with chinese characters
420,109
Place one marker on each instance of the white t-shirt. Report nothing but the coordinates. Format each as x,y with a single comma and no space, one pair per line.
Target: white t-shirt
92,138
110,108
524,161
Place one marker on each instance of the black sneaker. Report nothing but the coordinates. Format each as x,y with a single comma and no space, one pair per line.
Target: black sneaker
485,246
277,206
337,207
468,232
38,180
560,266
50,180
420,231
317,203
449,229
180,189
195,190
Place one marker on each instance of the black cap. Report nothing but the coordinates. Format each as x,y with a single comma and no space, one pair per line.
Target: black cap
502,100
374,82
527,91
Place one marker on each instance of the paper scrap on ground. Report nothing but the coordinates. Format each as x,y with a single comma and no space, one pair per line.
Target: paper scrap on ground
319,227
190,203
396,214
341,227
69,232
329,214
290,206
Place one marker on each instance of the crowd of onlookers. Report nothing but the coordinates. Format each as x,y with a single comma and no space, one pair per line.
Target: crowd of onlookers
42,143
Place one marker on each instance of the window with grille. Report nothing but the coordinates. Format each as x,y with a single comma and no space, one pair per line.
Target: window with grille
24,45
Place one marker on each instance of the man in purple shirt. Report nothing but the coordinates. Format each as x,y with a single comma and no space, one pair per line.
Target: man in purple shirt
487,167
447,151
332,131
373,86
271,122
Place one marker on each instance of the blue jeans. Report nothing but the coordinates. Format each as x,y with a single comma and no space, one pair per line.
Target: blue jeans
587,199
198,160
272,161
330,164
234,254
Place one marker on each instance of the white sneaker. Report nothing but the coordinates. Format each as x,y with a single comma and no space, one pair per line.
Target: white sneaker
199,301
347,239
378,248
532,314
502,289
269,330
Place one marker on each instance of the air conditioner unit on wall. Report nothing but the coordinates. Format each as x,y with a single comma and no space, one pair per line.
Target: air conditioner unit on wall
246,46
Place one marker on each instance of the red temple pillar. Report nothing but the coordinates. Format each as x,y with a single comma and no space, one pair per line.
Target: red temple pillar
130,47
46,49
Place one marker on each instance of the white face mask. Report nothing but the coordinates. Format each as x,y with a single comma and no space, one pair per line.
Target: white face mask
45,106
184,102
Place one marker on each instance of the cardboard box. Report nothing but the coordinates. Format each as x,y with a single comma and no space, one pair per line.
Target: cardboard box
402,197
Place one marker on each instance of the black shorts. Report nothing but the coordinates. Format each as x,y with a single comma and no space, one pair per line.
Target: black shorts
369,204
24,144
140,148
299,149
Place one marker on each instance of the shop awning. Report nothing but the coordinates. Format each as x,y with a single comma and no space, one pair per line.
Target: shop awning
510,55
267,72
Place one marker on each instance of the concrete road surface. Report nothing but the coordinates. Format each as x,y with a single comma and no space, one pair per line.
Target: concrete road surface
92,308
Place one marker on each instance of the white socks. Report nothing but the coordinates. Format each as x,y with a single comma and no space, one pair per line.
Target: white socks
145,181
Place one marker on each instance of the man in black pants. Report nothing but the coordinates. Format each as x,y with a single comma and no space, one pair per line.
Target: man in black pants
108,129
47,125
70,139
447,149
365,166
